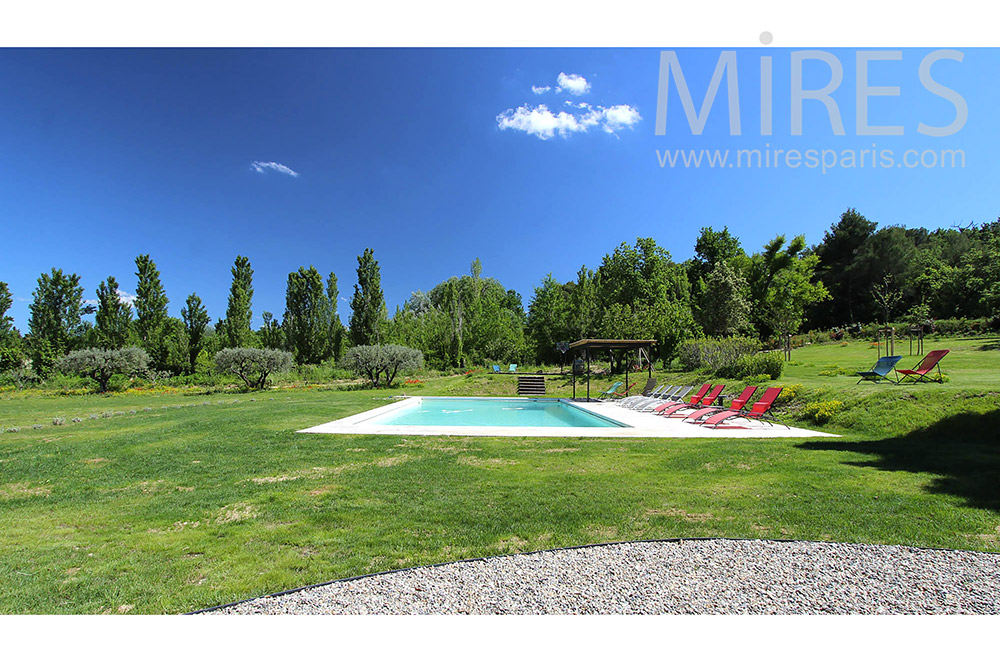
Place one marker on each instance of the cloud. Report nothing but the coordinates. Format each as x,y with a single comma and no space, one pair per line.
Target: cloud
540,89
123,296
126,298
572,83
260,166
541,122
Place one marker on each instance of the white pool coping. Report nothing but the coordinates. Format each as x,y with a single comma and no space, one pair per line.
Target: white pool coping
639,425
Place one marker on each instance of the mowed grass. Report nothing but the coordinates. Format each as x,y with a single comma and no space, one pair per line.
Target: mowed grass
206,499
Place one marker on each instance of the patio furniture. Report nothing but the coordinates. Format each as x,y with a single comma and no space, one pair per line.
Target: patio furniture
610,392
929,362
678,411
695,400
736,405
881,370
759,410
513,368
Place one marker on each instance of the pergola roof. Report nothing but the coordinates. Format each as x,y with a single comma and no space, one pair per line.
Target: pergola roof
605,343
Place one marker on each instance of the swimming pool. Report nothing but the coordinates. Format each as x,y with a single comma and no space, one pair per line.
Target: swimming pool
483,412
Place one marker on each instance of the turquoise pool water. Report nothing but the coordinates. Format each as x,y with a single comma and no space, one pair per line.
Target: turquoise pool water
534,412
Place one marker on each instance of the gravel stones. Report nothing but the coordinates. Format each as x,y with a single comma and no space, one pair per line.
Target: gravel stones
687,577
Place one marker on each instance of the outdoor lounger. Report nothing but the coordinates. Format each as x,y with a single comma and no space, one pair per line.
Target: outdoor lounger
646,390
680,410
513,368
758,411
668,396
678,397
496,369
736,405
635,399
919,372
611,391
880,370
695,400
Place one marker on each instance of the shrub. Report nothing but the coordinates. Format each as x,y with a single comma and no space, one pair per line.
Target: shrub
822,411
788,393
715,353
252,364
764,363
381,363
102,364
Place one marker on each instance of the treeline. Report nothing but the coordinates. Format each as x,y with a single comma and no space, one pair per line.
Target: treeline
858,274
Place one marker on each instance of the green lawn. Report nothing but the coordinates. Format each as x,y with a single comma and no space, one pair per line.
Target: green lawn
205,499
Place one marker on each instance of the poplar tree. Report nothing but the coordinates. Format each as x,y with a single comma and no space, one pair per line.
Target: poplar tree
113,320
150,309
55,311
236,326
196,321
368,312
307,316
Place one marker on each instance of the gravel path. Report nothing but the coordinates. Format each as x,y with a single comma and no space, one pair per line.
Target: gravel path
689,577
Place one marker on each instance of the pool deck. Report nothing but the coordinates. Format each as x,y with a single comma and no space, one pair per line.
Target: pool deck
641,425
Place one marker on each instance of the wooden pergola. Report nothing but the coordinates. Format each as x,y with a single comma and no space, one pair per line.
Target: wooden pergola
590,345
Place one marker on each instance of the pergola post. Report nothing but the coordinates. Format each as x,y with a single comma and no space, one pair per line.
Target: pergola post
587,352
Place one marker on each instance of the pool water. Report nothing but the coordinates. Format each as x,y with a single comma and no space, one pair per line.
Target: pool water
508,412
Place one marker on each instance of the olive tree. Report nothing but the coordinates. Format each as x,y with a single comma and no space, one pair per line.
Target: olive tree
252,364
102,364
381,363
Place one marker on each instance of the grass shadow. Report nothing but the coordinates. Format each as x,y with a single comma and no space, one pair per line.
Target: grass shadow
963,451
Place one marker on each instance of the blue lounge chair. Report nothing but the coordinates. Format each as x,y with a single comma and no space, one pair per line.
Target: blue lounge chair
611,391
881,370
513,367
496,369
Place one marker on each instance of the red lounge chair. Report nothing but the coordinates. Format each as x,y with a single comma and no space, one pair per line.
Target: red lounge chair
695,399
929,362
736,405
760,409
706,401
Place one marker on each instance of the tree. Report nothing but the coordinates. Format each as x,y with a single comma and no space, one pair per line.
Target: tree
253,365
381,363
102,364
837,253
368,312
113,321
793,291
724,308
150,309
55,315
887,296
547,318
235,328
15,363
8,334
270,333
196,320
307,322
335,335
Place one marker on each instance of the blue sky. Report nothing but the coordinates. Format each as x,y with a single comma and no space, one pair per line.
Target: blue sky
105,154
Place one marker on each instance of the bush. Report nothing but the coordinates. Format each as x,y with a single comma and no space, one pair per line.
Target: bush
381,363
102,364
715,353
252,364
822,411
764,363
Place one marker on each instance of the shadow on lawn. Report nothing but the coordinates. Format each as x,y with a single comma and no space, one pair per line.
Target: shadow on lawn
963,451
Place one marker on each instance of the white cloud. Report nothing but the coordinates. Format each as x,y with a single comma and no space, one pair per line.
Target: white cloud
260,166
541,122
540,89
126,298
620,117
572,83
